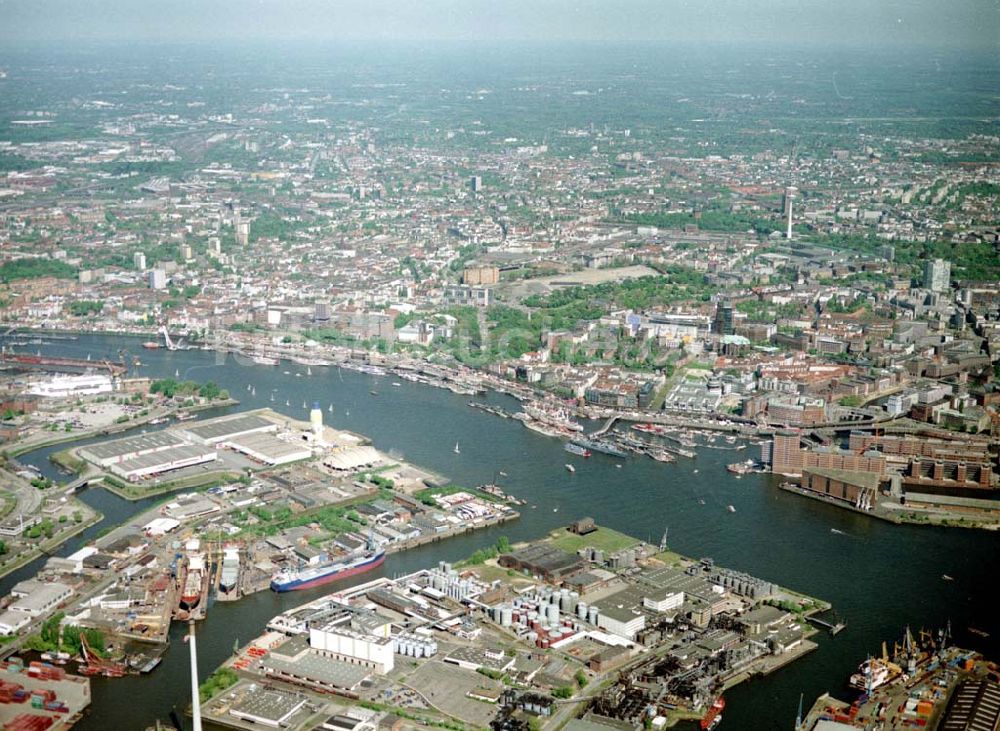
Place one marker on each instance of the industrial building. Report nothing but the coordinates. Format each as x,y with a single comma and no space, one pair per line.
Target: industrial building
108,453
227,428
32,599
72,386
165,460
268,449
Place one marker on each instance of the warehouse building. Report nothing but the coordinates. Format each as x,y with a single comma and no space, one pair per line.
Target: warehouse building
164,460
227,428
268,449
106,454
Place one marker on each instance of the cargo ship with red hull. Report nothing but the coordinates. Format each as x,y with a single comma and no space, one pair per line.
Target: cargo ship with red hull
713,716
307,577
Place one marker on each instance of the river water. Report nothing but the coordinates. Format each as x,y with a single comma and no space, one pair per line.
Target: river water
879,577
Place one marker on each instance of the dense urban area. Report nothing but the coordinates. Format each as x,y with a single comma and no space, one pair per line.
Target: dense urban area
816,294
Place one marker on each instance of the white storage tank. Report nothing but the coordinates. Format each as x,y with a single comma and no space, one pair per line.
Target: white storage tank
552,614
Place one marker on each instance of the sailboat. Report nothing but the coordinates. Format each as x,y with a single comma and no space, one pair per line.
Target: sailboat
457,450
253,391
272,396
304,405
309,370
249,387
287,402
330,408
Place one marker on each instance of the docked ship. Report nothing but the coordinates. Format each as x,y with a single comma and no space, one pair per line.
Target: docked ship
713,716
599,446
230,569
193,579
557,417
151,345
874,673
261,359
577,449
306,577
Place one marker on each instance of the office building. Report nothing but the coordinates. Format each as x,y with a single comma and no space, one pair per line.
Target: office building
157,279
724,317
937,275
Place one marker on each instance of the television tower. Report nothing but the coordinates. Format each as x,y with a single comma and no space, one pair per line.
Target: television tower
789,196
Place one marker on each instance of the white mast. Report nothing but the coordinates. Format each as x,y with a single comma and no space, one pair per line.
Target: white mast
195,697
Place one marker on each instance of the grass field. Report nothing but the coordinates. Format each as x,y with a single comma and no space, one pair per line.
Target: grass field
603,539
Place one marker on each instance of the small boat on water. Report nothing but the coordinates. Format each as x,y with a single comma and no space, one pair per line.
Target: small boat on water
730,508
570,468
946,577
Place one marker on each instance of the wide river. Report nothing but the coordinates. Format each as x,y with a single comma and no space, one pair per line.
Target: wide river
879,577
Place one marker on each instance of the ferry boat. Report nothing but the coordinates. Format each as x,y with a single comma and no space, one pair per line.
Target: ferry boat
577,449
307,577
713,716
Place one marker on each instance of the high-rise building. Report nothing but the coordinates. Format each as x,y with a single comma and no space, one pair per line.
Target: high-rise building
937,275
321,312
187,252
157,279
476,183
724,319
139,261
242,233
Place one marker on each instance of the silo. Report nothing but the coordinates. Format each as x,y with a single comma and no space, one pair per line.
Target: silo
598,557
581,610
552,614
592,614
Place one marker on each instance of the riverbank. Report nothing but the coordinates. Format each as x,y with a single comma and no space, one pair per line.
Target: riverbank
904,514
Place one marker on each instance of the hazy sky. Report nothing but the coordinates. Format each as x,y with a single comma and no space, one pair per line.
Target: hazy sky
852,22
